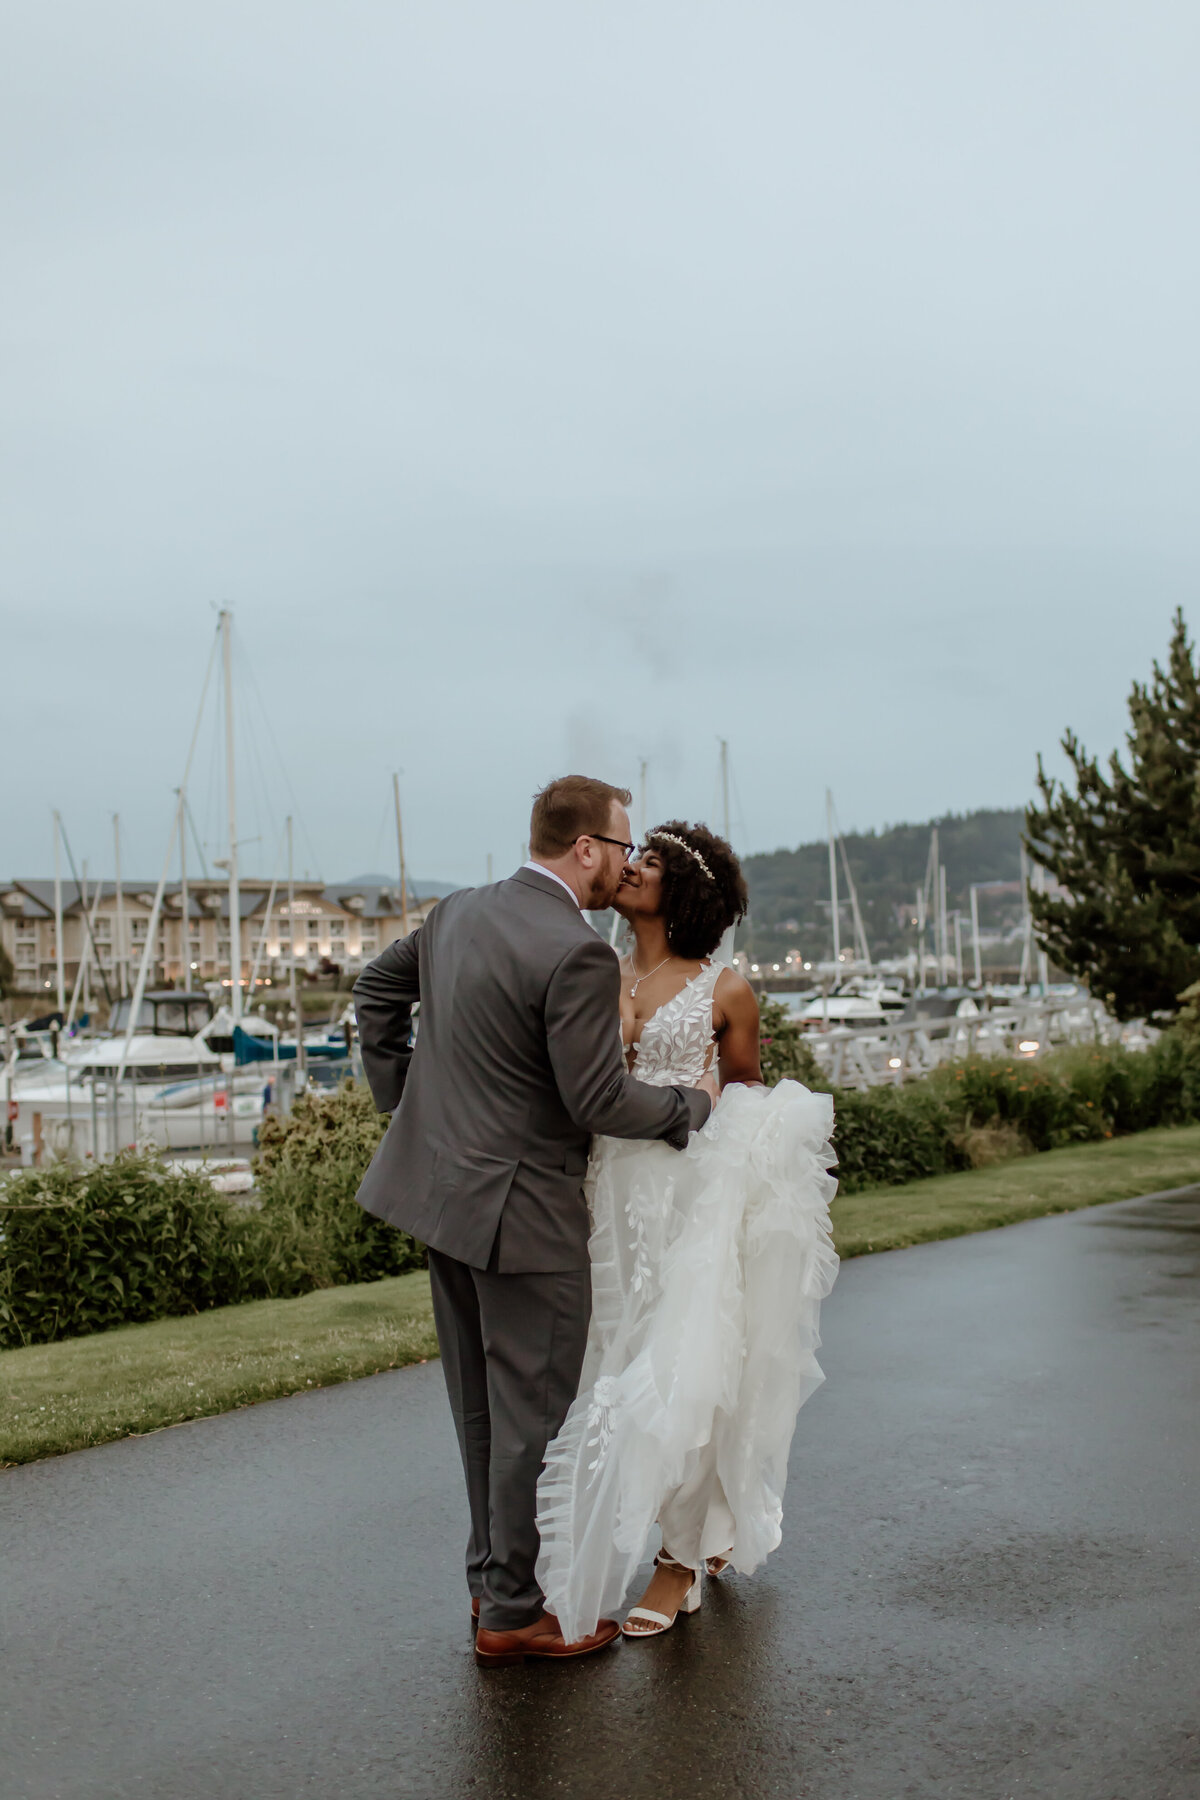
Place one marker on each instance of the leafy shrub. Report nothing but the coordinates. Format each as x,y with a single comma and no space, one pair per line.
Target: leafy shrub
1170,1088
85,1249
888,1135
1031,1098
982,1109
310,1165
784,1048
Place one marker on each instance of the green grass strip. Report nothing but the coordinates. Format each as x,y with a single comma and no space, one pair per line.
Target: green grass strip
1027,1188
139,1378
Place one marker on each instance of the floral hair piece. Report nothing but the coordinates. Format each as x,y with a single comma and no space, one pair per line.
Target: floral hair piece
669,837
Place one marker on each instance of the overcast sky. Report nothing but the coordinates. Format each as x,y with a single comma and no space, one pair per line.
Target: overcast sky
548,385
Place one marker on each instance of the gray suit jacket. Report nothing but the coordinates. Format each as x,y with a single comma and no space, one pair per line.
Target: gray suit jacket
517,1062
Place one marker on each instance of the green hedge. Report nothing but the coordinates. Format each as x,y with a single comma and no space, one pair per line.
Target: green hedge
84,1249
126,1241
983,1109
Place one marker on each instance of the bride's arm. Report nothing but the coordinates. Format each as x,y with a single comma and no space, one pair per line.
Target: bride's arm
737,1038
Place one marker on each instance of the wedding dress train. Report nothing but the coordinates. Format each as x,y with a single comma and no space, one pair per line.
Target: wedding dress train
709,1266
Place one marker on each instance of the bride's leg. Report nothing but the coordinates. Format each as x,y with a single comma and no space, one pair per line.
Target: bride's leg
696,1520
682,1520
669,1588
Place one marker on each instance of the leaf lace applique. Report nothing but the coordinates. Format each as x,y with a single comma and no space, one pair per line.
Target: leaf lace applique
642,1270
601,1408
675,1041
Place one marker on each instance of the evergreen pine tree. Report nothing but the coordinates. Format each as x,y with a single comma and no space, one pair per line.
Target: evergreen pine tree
1126,846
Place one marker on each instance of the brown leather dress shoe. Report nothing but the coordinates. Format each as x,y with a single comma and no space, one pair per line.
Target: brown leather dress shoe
543,1639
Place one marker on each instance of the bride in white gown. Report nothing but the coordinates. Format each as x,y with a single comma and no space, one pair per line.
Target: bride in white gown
708,1270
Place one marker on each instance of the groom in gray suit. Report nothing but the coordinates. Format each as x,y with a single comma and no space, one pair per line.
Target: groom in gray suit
517,1062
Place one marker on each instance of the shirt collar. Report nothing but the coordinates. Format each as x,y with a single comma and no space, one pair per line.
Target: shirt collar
541,869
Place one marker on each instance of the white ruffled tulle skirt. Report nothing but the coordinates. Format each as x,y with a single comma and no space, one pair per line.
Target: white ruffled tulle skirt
708,1271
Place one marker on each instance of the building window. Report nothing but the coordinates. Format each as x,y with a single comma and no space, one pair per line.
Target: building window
26,956
368,946
337,928
314,929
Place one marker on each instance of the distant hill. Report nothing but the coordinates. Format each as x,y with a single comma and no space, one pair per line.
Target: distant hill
421,890
789,889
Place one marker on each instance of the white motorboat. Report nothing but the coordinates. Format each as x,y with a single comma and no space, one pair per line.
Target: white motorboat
855,1005
73,1105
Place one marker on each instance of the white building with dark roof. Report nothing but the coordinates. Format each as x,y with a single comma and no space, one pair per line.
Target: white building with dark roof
341,925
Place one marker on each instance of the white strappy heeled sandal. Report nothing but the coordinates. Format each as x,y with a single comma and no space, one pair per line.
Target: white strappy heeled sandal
717,1565
655,1622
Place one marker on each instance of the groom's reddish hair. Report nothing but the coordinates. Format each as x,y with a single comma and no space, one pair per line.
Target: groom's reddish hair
574,806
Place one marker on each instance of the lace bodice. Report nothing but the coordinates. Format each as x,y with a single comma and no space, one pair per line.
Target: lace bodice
674,1045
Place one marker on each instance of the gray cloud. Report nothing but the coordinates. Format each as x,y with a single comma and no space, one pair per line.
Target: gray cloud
537,379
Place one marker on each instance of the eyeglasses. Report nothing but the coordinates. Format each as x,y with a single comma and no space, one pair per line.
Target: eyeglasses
619,842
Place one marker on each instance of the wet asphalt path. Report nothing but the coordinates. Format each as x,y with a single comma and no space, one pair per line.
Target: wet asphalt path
988,1585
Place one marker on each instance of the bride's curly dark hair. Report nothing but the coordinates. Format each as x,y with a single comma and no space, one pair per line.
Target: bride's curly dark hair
697,908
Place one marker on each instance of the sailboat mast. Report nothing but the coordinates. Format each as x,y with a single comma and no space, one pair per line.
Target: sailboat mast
833,881
235,915
291,884
58,917
75,991
862,950
1026,923
1043,961
725,790
85,947
945,920
185,922
122,955
147,958
975,934
400,848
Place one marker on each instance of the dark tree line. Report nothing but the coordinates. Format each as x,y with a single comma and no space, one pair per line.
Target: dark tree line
888,866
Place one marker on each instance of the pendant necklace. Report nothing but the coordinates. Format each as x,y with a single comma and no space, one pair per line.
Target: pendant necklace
649,972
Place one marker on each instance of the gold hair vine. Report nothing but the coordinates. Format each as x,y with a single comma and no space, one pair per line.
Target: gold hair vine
668,837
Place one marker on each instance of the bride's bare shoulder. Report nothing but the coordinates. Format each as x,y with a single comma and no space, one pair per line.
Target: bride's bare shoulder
733,994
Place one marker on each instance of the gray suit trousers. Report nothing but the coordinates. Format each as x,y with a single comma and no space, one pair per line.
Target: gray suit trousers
512,1350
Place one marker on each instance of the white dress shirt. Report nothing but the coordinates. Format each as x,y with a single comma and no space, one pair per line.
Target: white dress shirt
541,869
